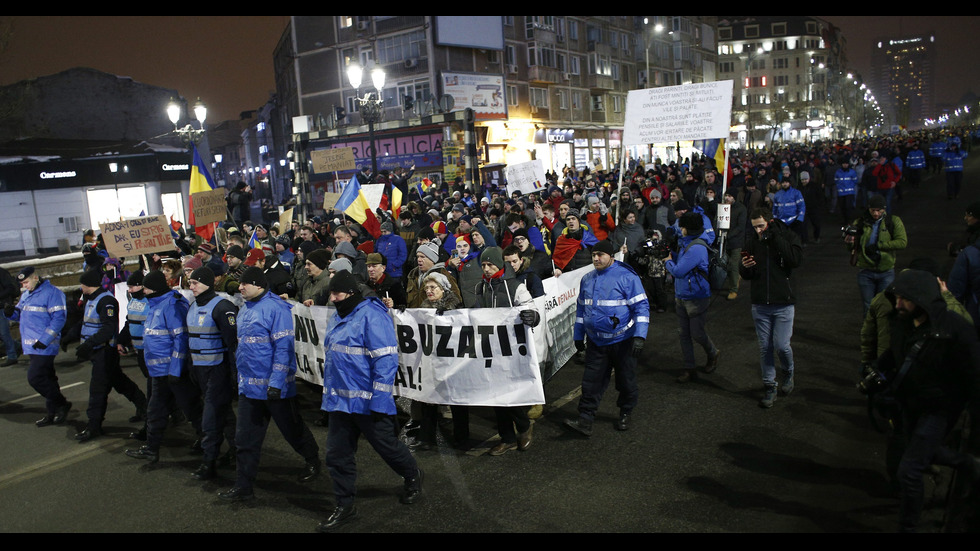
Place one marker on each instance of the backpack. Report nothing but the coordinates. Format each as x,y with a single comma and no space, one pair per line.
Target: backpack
717,273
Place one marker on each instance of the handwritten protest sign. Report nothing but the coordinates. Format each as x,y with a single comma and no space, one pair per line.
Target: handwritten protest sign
527,177
338,159
209,206
143,235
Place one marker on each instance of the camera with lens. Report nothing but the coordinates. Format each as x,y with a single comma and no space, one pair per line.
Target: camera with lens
655,247
873,380
850,230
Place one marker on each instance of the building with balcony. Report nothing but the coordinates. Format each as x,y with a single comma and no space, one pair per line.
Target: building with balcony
791,80
552,88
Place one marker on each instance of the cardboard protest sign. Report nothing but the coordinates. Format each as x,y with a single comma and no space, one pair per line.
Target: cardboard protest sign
209,206
338,159
143,235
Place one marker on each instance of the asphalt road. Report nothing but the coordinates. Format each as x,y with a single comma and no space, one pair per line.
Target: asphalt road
700,457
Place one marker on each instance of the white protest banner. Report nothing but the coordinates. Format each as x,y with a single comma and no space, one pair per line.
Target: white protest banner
526,177
472,356
678,113
557,309
309,328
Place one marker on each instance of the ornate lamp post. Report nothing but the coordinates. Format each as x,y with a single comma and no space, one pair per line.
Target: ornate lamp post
371,106
188,134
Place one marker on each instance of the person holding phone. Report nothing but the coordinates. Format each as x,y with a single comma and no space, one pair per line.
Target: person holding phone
771,253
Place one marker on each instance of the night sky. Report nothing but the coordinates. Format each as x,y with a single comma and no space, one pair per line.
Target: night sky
227,61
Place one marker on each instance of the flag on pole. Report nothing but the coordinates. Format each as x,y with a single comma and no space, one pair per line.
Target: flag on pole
200,181
253,243
714,149
353,203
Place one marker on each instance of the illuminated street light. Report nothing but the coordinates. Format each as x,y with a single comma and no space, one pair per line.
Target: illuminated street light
188,134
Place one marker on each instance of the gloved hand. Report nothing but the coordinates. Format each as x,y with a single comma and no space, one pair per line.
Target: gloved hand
530,318
603,209
580,346
173,379
273,394
8,310
38,345
84,351
638,343
440,311
64,344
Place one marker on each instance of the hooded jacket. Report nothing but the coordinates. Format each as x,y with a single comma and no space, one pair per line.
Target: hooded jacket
947,371
361,361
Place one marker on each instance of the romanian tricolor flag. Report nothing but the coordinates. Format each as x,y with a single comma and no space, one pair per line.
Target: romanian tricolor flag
200,181
715,149
353,203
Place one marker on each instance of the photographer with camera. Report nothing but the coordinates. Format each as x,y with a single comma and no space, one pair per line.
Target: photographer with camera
873,240
931,371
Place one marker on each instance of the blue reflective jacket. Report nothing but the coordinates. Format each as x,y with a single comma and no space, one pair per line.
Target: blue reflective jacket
788,205
204,341
42,315
265,354
92,322
846,181
361,360
915,159
953,160
165,334
395,251
135,318
612,306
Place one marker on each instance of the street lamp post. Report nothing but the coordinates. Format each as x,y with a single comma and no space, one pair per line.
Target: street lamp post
371,106
188,134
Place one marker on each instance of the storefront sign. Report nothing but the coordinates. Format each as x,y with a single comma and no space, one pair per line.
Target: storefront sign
678,113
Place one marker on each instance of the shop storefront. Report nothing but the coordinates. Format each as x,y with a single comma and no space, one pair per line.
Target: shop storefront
50,201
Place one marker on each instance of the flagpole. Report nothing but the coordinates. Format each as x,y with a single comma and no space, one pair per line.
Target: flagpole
619,190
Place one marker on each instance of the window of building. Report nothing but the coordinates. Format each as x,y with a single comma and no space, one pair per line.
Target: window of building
563,99
727,66
512,95
345,21
541,54
539,97
599,64
751,31
779,29
597,103
401,47
575,65
724,33
573,30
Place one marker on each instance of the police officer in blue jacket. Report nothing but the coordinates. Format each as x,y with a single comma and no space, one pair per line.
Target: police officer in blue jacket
98,330
358,380
266,363
212,341
846,180
165,351
41,312
611,320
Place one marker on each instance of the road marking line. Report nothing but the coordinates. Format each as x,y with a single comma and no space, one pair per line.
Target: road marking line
26,398
58,462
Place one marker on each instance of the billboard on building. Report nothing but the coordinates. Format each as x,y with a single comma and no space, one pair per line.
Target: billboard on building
484,32
483,93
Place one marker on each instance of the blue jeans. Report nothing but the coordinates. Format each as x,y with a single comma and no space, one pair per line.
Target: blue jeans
870,283
774,327
7,338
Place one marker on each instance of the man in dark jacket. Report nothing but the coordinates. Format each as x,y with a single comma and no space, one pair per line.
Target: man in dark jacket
933,364
771,252
9,293
734,240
